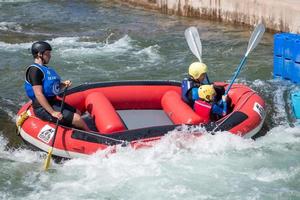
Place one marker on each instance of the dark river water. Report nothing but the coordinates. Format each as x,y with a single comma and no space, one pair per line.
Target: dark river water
102,41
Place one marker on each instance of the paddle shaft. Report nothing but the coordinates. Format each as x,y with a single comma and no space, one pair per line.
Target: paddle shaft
242,63
61,110
253,42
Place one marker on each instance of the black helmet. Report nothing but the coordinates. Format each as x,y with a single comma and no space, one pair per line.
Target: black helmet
40,47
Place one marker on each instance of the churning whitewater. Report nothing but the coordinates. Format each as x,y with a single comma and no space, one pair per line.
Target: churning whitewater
101,41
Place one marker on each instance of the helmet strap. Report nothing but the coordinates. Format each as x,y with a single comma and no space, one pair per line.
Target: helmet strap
41,57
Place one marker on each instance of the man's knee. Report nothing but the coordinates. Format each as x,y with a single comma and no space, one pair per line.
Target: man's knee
76,118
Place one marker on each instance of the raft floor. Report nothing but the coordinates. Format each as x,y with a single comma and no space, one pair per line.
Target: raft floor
135,119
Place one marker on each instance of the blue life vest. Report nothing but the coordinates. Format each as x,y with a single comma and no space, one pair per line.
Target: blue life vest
220,108
51,82
186,86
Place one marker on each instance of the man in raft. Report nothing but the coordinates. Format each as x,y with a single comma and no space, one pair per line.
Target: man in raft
42,84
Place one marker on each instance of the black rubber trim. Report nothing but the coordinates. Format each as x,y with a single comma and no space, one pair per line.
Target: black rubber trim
145,133
235,118
87,86
120,137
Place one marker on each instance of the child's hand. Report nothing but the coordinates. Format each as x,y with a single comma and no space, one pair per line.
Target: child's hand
224,98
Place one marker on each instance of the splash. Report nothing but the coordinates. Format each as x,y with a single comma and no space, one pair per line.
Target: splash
7,106
18,155
15,47
74,46
15,1
125,50
149,54
10,26
181,165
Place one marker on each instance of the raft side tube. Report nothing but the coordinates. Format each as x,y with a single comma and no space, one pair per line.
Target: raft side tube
177,110
104,114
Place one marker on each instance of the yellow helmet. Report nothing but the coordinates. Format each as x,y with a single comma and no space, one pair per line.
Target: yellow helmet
196,69
206,92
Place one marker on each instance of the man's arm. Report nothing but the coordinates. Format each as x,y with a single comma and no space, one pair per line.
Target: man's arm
38,92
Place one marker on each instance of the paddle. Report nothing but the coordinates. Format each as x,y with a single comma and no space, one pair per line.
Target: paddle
193,39
253,42
48,159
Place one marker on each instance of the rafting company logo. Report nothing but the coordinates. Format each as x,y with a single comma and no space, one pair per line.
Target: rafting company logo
46,133
260,110
56,88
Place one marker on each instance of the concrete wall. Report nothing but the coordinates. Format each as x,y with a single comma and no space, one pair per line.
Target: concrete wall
277,15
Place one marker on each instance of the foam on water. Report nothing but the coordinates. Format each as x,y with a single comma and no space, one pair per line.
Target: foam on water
280,104
10,26
3,143
15,1
278,91
74,47
6,106
14,47
95,56
12,115
150,54
180,166
19,155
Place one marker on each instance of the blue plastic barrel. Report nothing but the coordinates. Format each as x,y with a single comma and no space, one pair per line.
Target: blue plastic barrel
297,50
286,56
278,66
288,45
288,66
295,97
278,44
296,73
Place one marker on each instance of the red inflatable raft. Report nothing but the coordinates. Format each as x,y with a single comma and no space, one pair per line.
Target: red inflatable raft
132,112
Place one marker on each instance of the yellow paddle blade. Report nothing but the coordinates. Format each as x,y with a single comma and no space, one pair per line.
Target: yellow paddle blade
48,160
